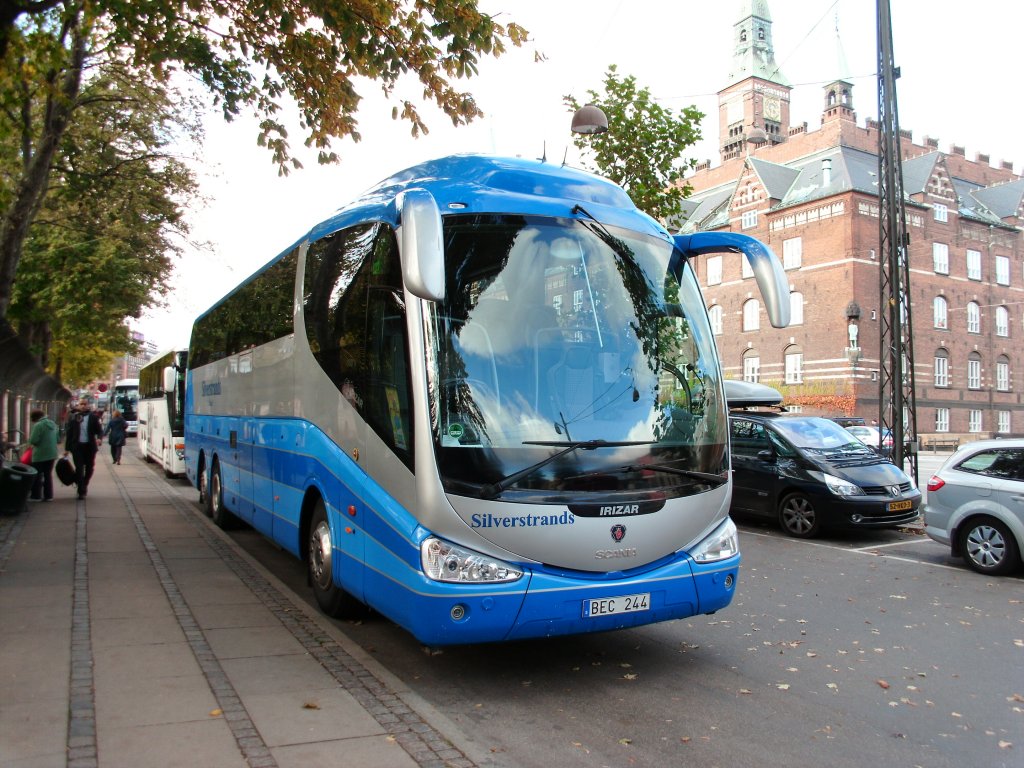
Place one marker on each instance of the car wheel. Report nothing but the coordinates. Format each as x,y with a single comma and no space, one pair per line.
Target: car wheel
332,599
218,512
798,517
988,546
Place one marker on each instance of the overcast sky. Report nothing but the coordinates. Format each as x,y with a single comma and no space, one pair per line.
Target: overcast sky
959,84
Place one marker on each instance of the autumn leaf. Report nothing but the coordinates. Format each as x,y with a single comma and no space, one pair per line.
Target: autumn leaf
310,705
216,712
882,684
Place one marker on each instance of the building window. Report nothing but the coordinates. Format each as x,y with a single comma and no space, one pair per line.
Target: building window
556,302
974,421
1003,374
939,312
940,258
714,270
1003,270
942,368
792,252
941,212
942,419
973,317
1002,321
751,315
974,372
794,367
751,367
745,269
1003,421
715,317
973,265
577,300
748,220
796,308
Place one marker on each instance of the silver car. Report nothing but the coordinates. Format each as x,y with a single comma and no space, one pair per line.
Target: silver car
975,505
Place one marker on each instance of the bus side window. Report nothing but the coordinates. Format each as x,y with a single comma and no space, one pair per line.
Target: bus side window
355,323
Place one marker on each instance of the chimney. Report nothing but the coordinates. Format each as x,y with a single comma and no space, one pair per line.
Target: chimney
826,172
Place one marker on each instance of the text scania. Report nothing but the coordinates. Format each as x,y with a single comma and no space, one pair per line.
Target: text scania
521,521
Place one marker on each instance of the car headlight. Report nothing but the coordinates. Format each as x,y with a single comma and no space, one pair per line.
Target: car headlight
837,485
444,561
721,544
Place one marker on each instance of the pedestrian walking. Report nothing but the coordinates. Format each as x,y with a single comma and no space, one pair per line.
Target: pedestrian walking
83,438
116,431
43,439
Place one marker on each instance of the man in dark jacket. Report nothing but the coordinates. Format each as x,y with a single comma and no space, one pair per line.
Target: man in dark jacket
84,435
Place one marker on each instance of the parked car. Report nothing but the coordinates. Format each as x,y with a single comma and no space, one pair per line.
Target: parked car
874,438
976,505
810,474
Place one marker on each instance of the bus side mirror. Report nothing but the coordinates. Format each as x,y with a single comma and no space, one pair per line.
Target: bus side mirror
170,378
420,240
767,269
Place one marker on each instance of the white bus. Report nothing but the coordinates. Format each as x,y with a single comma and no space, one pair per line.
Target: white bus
483,399
161,435
125,398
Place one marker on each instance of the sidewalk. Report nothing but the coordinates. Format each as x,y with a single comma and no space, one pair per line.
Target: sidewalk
134,633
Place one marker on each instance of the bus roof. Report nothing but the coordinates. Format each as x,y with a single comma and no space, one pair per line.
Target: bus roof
488,184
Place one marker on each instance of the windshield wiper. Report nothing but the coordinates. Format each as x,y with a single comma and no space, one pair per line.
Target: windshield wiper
492,490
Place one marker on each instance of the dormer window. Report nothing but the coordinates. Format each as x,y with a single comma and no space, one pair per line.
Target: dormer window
760,33
743,35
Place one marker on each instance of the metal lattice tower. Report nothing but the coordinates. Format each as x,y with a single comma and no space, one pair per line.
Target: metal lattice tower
897,405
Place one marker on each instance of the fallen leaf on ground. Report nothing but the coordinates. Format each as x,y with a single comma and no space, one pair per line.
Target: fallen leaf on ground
882,684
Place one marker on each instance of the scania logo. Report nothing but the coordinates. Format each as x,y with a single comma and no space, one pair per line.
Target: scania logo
618,532
894,490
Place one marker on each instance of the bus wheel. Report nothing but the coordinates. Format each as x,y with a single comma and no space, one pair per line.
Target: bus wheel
332,599
218,512
204,491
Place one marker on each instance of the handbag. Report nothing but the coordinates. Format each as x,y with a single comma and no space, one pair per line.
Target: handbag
65,470
26,457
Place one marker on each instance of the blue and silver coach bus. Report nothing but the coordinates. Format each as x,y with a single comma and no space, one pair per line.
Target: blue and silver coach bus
483,399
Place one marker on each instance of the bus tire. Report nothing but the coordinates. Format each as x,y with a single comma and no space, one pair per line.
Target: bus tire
204,489
332,599
221,517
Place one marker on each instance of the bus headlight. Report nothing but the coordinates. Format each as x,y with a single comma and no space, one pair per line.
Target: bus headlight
721,544
443,561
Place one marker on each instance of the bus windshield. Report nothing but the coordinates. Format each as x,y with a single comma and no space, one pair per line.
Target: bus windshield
564,331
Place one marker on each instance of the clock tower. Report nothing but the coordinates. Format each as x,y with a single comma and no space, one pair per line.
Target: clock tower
753,109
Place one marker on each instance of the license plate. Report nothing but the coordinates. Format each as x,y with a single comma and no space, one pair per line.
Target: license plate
896,506
608,606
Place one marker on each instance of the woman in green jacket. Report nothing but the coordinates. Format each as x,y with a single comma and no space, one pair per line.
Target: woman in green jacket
43,439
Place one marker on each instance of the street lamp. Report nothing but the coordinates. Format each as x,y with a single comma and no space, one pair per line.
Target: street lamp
589,120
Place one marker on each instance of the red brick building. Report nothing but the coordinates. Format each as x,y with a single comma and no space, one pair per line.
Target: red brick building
812,196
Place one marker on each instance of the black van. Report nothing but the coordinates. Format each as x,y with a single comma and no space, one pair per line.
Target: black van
811,474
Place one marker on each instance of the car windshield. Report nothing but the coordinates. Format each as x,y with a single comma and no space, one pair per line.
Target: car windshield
816,434
557,332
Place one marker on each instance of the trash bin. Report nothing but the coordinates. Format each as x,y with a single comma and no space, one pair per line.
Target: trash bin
16,481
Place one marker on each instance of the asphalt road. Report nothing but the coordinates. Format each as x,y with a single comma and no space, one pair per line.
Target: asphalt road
873,649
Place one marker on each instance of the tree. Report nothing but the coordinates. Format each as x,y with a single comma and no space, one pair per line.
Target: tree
103,241
249,55
643,147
